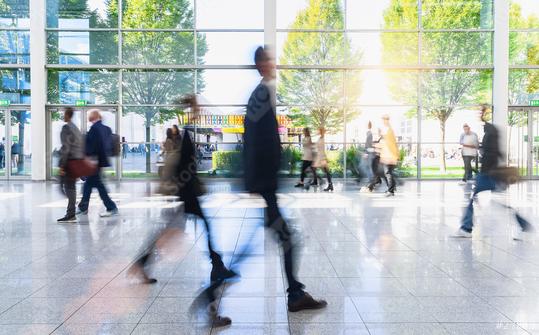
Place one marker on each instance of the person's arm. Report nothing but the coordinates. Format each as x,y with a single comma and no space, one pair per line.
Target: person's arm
90,146
66,146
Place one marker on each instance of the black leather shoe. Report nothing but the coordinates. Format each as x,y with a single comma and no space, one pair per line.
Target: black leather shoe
306,301
221,273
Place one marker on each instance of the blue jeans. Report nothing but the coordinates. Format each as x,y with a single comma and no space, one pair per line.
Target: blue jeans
97,182
485,182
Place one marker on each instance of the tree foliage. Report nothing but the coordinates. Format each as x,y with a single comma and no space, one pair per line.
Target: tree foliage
317,95
442,90
523,50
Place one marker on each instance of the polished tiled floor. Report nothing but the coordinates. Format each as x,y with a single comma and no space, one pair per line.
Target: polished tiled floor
385,265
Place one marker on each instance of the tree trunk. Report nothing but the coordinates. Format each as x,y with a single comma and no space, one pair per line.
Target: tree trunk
443,167
148,148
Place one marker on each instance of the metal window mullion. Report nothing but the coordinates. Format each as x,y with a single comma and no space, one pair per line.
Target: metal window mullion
14,66
80,29
119,111
195,43
418,87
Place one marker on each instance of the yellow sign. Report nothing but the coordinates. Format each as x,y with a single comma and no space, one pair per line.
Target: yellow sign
235,130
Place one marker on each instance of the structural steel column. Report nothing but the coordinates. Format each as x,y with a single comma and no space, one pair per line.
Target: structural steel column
270,23
38,88
500,87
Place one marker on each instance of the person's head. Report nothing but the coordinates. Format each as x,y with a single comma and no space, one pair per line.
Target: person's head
264,62
466,128
170,133
68,114
123,138
369,125
175,130
322,131
306,132
484,113
385,118
94,115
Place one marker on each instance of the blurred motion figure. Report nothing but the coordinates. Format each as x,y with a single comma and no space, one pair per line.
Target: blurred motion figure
262,154
489,176
99,144
72,148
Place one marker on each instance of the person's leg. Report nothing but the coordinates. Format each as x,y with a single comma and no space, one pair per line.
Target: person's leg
390,178
304,166
315,176
70,190
483,183
279,226
328,175
103,194
467,168
86,192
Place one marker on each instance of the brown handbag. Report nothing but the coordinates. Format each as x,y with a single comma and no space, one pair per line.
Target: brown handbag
77,168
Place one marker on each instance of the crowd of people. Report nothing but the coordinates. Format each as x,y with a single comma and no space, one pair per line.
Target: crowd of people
261,148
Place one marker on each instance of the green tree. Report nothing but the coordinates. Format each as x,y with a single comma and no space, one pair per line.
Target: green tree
318,94
154,87
442,90
523,50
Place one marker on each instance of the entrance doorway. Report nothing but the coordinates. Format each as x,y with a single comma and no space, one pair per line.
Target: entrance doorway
55,120
523,140
15,143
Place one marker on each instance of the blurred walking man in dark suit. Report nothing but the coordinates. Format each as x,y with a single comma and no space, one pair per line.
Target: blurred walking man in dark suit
99,146
262,155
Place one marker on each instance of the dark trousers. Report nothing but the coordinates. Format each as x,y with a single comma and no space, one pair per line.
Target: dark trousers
468,170
378,175
195,209
307,165
326,172
69,188
276,222
486,183
390,178
97,182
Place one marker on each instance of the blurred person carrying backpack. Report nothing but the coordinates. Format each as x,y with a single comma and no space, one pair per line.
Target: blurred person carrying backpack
491,177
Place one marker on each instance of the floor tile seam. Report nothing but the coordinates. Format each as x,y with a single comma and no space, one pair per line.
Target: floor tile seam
167,281
97,292
483,299
443,324
491,244
221,294
22,299
461,279
342,284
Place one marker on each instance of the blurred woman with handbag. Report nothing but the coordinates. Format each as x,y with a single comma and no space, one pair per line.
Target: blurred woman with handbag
321,158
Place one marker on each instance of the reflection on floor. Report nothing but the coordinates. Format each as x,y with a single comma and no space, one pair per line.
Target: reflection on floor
385,265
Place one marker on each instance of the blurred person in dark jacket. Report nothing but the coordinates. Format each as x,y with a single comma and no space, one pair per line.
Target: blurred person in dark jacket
486,180
262,155
98,146
72,149
180,179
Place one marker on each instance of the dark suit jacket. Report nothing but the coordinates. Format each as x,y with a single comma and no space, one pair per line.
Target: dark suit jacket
99,143
490,150
262,145
189,186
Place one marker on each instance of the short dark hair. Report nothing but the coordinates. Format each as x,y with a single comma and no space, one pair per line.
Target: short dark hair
69,112
260,55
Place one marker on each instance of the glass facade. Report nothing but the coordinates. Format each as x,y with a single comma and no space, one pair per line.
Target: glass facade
341,63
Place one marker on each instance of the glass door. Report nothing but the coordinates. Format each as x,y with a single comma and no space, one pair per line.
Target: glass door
15,143
523,140
109,118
